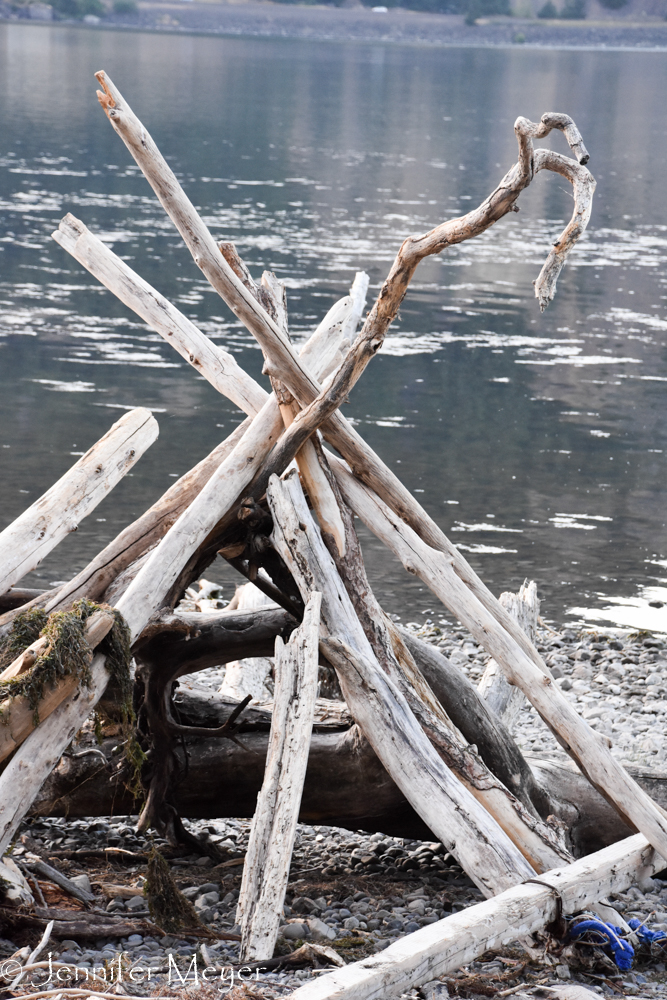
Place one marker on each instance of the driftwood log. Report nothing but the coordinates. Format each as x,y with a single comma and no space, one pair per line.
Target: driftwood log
273,829
38,530
448,944
345,784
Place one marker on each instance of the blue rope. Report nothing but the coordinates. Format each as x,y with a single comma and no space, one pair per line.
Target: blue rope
645,935
610,937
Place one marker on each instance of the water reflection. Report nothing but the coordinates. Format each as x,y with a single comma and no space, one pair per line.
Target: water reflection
538,441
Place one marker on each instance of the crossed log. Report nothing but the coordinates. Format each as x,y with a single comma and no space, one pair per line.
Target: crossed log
495,818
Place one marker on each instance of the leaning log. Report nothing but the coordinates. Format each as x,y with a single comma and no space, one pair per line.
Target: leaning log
445,946
485,851
25,542
273,829
345,783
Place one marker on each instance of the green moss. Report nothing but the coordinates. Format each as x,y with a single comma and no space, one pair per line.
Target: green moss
26,628
67,654
167,905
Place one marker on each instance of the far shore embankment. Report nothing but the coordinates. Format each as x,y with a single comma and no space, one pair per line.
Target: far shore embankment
361,24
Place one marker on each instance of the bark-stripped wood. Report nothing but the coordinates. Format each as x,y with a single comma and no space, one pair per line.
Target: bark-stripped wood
273,829
218,366
448,944
282,361
503,698
541,844
133,541
381,711
590,751
25,542
471,716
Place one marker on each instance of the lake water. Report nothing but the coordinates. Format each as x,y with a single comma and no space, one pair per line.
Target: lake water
538,441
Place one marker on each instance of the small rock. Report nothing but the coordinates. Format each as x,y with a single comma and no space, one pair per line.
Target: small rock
319,930
295,931
351,924
563,972
81,882
435,991
136,903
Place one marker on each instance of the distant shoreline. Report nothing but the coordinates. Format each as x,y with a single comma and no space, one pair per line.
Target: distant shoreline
362,25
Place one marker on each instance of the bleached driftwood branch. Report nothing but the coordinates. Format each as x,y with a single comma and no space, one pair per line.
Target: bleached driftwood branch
273,830
590,751
454,941
28,539
381,711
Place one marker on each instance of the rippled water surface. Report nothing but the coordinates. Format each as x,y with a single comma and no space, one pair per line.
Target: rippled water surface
538,441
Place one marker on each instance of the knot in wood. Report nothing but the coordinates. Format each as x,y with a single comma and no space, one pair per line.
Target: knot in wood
250,512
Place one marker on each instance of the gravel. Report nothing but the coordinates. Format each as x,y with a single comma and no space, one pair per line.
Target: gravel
358,892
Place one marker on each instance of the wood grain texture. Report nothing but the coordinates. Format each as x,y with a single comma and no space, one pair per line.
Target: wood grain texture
28,539
273,828
382,713
448,944
503,699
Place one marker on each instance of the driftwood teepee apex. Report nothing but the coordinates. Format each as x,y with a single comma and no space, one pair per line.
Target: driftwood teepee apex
494,816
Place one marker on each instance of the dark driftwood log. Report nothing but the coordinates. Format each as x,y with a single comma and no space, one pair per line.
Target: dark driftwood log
176,645
470,714
345,783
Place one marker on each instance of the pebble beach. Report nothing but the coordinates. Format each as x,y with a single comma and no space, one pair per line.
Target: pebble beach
357,892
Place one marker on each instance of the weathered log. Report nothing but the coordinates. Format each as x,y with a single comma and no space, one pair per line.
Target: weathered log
273,830
345,783
448,944
541,844
73,923
587,748
471,716
382,713
503,698
28,539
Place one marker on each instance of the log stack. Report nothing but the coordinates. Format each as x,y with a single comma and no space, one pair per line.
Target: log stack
279,506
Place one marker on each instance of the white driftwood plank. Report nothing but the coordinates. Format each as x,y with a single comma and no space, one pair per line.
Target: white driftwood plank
382,713
448,944
215,364
502,697
34,760
590,751
25,542
273,829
